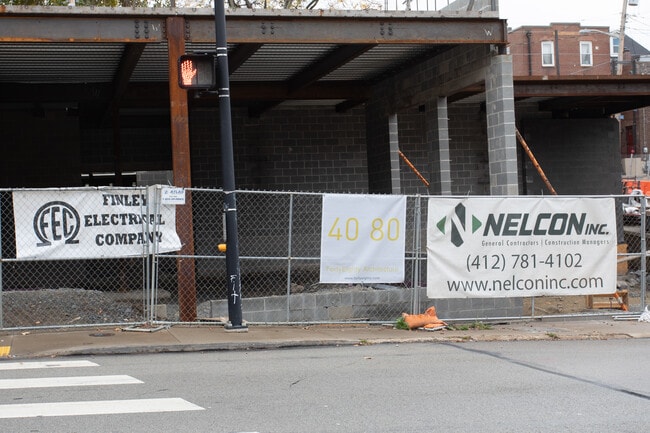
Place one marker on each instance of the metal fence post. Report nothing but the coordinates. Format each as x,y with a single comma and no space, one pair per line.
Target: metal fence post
417,245
152,253
289,241
1,264
644,250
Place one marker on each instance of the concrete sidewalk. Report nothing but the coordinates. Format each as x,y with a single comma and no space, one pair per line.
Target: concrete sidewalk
182,338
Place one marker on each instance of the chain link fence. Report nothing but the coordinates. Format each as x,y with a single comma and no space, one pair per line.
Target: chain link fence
279,243
65,292
279,246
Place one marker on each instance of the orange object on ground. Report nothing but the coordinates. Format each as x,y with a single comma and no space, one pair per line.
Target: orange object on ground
427,320
630,185
617,300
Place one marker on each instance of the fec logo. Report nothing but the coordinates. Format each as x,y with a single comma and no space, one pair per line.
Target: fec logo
457,223
56,222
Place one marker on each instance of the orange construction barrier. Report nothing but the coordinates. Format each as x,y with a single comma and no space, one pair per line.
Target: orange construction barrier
642,185
427,320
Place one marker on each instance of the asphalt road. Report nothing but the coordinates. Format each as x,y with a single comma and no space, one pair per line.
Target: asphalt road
526,386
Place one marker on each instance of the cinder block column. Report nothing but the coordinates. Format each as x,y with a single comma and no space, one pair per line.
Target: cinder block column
393,145
437,136
500,111
382,148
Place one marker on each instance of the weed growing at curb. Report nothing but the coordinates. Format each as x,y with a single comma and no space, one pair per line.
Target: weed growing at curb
466,327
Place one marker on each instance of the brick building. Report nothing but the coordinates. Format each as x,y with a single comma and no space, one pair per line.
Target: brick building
560,49
567,49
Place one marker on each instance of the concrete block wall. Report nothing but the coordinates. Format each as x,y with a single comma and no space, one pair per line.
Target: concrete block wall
478,308
468,150
46,154
451,70
141,149
316,149
163,177
365,303
330,305
378,146
286,149
415,89
332,157
576,155
412,142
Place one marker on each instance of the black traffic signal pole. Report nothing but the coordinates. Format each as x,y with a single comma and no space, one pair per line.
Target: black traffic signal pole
228,172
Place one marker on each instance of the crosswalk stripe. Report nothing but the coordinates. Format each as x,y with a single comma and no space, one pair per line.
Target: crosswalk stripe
45,364
106,407
52,382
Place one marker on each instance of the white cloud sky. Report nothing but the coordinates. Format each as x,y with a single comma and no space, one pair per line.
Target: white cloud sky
586,12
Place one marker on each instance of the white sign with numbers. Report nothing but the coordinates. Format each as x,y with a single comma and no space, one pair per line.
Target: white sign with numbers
362,239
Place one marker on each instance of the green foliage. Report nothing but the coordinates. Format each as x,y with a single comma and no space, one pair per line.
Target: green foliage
400,323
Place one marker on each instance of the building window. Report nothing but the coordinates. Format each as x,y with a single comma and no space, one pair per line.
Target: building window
586,57
548,56
613,47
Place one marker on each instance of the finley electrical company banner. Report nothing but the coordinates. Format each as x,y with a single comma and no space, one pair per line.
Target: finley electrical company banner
362,239
72,224
520,247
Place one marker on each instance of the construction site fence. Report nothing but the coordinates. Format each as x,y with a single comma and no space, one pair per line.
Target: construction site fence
279,255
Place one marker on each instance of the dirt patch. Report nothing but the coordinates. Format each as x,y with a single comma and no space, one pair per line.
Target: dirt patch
62,307
550,305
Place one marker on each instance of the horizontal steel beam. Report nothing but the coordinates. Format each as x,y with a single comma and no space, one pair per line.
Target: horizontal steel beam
601,105
358,31
256,29
80,29
598,86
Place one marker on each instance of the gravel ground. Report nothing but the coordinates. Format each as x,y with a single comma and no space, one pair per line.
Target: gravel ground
26,308
65,307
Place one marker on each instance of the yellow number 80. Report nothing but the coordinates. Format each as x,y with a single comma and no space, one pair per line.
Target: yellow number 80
392,231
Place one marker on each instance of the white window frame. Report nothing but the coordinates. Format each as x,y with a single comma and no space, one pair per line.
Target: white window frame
586,53
548,49
613,47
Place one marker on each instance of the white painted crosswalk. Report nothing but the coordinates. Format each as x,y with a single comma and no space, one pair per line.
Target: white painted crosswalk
78,408
106,407
52,382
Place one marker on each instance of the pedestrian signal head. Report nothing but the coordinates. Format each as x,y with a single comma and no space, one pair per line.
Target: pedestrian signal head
196,71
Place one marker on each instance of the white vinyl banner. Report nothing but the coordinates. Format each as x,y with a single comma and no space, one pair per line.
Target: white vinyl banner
520,247
362,239
73,224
